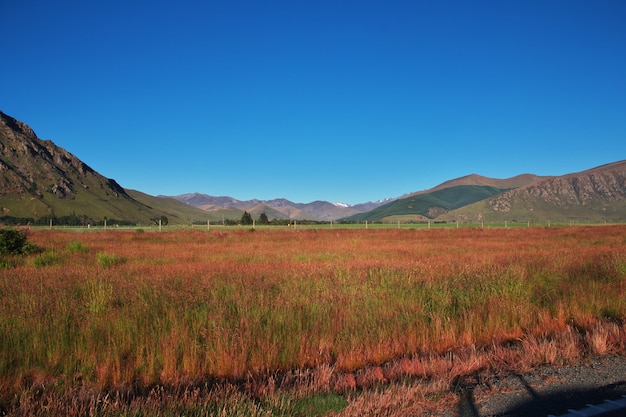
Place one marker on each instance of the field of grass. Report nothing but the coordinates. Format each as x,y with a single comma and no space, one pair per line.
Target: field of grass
293,322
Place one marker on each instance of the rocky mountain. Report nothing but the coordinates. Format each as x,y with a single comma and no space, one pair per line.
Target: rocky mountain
40,180
596,194
593,195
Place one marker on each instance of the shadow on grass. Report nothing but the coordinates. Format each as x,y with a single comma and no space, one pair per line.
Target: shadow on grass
557,402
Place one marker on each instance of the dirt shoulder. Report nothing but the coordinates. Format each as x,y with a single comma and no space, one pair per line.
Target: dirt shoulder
548,390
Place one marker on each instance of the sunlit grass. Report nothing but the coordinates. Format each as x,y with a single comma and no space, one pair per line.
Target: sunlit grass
129,311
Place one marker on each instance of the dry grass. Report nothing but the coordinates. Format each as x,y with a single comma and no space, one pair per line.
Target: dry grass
263,319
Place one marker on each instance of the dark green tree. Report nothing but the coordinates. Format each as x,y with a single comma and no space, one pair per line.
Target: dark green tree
246,219
263,219
11,241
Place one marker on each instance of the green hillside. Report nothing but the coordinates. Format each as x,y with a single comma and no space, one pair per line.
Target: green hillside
430,205
85,206
525,209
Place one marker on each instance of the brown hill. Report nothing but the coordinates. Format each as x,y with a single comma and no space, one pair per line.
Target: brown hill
592,195
475,179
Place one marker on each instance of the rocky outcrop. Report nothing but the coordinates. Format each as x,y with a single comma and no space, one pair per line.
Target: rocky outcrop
33,166
603,185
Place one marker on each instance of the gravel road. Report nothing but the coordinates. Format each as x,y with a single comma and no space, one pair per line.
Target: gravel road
548,390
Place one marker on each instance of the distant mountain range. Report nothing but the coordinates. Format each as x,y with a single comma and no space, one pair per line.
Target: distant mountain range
39,180
280,208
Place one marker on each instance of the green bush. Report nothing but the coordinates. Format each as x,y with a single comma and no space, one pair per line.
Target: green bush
12,242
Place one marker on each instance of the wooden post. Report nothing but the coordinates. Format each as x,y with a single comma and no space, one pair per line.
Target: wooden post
105,224
457,223
208,224
253,224
366,224
398,224
50,223
506,226
428,224
159,225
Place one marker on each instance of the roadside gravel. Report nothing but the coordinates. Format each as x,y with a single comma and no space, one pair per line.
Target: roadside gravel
549,390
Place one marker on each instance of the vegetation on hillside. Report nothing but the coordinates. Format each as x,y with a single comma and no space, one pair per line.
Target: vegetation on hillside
432,204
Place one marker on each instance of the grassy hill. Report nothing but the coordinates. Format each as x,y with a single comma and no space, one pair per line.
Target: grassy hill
431,204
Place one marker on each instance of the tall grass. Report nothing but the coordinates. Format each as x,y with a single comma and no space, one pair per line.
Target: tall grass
186,307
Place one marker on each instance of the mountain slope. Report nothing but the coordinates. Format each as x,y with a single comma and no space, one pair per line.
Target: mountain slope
430,204
39,180
592,195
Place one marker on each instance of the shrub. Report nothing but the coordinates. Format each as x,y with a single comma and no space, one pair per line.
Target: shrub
12,242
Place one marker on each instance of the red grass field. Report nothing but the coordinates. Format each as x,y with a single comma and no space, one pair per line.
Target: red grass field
124,313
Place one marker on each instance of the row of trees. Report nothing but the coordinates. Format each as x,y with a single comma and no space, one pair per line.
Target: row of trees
246,219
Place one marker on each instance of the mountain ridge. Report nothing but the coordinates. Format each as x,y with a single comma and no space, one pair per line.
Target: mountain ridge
39,179
597,193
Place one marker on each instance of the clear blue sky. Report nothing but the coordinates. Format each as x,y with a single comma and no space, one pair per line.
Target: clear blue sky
318,100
